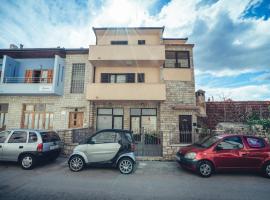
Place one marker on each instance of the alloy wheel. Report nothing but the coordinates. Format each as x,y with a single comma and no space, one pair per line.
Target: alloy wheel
205,169
267,170
126,166
27,162
76,163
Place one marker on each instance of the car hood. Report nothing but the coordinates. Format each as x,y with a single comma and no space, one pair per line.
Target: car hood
191,148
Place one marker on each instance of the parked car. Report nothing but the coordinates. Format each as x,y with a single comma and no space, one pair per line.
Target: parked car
226,152
28,146
106,147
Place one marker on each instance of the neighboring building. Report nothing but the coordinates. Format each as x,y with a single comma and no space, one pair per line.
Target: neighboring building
133,78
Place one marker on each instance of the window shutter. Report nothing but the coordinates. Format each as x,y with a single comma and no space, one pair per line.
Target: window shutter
140,78
50,76
130,78
105,78
28,76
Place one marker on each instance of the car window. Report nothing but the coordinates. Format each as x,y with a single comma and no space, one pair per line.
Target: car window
129,137
3,136
18,137
255,142
207,142
228,143
106,137
32,137
49,136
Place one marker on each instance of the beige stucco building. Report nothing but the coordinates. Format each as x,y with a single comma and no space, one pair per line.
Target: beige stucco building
132,78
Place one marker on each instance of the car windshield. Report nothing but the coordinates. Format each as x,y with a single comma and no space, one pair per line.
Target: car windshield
208,141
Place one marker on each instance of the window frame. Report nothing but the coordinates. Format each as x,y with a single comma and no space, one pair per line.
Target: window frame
112,115
26,138
109,75
7,137
77,82
119,42
140,77
253,147
176,60
102,132
141,42
229,143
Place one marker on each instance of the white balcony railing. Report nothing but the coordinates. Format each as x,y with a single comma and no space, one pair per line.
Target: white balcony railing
27,80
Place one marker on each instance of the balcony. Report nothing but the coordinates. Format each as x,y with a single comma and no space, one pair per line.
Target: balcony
26,77
127,55
126,91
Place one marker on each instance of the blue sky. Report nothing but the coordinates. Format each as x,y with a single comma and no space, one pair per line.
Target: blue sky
232,38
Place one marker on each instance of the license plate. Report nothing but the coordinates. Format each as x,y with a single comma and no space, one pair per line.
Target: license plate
54,147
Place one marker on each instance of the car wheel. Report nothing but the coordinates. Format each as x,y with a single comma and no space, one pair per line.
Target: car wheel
27,161
205,168
76,163
266,170
126,165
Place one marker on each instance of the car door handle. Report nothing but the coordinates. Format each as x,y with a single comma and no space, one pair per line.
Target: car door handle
244,154
20,147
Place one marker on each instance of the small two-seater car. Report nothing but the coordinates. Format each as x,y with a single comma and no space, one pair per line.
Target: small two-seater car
28,146
106,147
226,152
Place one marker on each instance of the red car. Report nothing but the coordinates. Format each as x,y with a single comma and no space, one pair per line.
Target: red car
226,152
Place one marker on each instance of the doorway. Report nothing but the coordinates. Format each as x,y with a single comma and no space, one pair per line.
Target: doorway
185,129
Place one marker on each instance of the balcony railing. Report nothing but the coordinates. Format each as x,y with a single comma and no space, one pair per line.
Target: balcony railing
27,80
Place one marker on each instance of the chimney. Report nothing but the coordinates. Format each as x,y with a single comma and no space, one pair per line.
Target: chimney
13,46
21,46
200,102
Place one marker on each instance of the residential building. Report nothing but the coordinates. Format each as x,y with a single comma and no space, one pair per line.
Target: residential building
132,78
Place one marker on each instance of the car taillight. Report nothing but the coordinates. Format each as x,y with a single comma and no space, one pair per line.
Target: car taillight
40,147
133,147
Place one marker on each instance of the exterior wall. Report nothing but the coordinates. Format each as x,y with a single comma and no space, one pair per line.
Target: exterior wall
177,74
151,74
150,39
178,92
62,105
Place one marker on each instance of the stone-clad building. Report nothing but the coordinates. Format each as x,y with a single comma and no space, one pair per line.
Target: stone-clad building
132,78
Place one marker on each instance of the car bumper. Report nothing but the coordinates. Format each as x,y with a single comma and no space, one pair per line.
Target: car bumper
48,154
186,163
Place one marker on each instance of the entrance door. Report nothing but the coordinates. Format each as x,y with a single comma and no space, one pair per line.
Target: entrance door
185,128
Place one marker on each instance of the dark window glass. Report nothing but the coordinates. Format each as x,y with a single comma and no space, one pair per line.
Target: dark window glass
129,137
119,42
140,78
32,137
105,137
255,142
231,143
105,78
4,107
18,137
141,42
49,137
3,136
130,78
177,59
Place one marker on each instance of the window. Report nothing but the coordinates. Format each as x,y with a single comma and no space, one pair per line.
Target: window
50,136
3,136
38,76
140,77
75,119
177,59
110,118
141,42
3,113
106,137
119,42
32,137
37,116
77,79
18,137
117,78
255,142
229,143
143,120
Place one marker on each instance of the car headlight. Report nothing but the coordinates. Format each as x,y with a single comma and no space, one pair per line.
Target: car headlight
190,155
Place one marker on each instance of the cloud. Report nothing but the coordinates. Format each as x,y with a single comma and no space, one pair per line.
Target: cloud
228,42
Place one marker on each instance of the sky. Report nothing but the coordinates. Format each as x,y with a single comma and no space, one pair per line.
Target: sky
231,37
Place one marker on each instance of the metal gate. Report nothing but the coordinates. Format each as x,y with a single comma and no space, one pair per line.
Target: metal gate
148,143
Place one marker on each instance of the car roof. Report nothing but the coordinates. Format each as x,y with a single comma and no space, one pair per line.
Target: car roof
25,129
239,135
116,130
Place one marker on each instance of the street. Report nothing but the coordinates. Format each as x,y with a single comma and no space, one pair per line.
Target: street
151,180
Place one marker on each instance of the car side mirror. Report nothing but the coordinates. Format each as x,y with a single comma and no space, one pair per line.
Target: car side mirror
91,141
219,147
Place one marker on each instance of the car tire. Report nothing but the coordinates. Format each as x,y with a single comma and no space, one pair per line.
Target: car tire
126,165
27,161
76,163
266,170
205,168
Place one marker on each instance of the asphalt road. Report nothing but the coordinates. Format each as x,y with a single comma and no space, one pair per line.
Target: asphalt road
151,180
